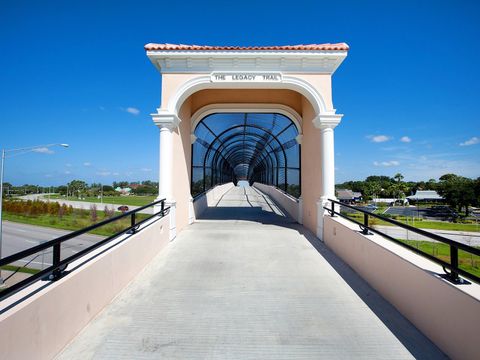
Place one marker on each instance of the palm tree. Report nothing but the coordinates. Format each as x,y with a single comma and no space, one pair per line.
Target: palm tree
398,177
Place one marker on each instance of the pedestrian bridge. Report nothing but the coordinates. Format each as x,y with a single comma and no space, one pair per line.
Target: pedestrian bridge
261,287
247,254
244,281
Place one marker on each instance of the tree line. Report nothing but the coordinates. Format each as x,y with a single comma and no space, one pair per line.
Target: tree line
81,188
458,191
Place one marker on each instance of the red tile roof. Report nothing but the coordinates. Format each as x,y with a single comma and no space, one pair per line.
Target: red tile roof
338,46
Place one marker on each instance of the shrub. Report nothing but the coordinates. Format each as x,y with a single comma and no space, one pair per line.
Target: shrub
93,213
108,212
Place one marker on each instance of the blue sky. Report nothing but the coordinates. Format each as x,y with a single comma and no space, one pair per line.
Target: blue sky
76,72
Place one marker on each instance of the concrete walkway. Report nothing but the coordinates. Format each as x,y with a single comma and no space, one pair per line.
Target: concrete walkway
260,287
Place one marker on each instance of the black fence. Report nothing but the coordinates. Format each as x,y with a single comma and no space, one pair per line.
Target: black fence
57,269
451,267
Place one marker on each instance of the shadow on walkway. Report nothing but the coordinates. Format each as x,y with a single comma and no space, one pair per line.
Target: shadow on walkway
249,204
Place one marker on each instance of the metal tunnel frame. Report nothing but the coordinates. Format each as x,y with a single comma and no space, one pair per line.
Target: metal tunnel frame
255,147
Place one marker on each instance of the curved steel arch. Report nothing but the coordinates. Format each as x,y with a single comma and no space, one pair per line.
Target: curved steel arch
255,153
267,140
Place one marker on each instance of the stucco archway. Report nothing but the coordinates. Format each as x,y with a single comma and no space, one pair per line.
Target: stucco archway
197,81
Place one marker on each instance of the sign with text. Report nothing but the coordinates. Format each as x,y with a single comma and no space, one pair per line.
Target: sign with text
245,77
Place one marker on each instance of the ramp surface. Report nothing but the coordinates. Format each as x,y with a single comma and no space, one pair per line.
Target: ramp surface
247,283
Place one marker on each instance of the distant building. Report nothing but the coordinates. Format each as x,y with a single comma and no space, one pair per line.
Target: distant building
425,196
389,201
348,196
123,191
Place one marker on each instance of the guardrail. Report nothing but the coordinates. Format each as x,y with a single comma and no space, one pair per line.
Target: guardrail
452,266
57,269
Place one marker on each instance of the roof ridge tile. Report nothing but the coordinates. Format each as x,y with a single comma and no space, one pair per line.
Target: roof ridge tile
172,47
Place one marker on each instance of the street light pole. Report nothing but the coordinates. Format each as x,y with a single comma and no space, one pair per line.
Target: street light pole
2,167
1,204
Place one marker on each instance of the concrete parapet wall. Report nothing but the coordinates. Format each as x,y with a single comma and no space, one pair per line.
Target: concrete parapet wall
40,326
448,314
286,201
210,198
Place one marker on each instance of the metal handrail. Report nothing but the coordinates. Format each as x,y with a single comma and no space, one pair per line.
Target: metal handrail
56,270
455,271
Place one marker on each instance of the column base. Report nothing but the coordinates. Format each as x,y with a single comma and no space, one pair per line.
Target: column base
321,213
172,204
300,210
173,226
191,211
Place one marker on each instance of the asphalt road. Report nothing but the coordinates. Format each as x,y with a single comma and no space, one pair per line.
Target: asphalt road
18,237
464,237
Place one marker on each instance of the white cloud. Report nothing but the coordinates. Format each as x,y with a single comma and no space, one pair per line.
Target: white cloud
132,110
379,138
87,163
48,175
115,174
386,163
405,139
43,150
146,169
103,173
67,172
68,165
474,140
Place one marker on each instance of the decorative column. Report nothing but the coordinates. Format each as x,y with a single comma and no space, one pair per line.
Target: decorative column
167,122
191,207
326,123
299,140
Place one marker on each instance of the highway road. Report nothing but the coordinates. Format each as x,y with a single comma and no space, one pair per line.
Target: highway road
464,237
18,237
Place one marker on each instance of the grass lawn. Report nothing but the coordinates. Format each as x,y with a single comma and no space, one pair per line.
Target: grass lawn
422,224
20,269
118,200
467,261
79,219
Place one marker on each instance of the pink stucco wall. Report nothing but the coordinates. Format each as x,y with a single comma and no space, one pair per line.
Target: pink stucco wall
40,326
311,143
448,314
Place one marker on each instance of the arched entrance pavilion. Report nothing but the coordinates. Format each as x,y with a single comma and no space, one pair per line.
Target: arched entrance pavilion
260,114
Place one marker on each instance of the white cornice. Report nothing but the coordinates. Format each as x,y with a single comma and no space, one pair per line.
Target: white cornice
320,62
327,121
165,119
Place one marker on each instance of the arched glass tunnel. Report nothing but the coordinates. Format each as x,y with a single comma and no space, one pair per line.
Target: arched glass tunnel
256,147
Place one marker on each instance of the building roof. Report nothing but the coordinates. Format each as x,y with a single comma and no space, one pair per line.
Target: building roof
309,47
347,194
425,195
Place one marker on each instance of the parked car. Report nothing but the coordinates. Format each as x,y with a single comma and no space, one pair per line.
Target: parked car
371,207
123,208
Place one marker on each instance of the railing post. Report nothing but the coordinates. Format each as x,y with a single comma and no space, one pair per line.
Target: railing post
132,221
162,207
56,257
333,209
365,224
454,263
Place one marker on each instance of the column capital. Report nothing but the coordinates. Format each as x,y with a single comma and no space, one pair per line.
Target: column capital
165,119
327,121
